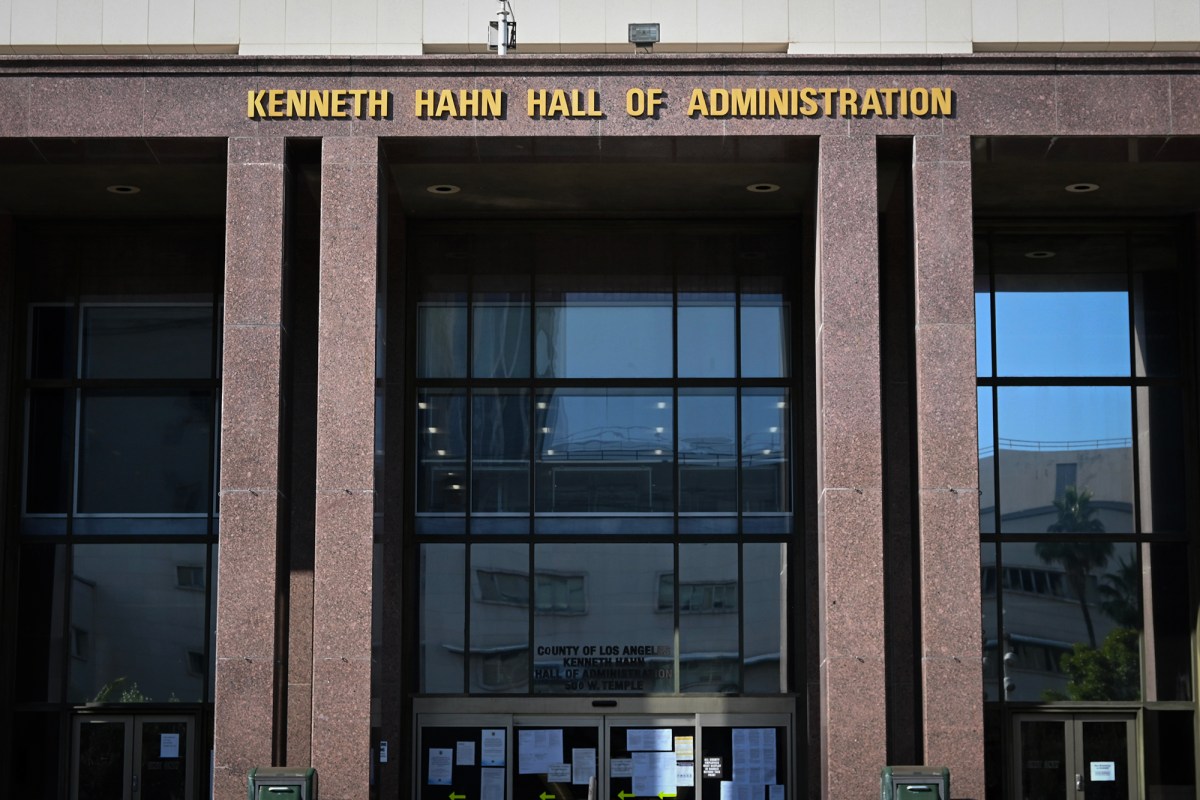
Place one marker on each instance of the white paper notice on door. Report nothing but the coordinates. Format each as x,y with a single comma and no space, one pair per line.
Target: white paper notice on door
583,764
1104,770
653,774
539,749
491,783
466,754
754,755
648,739
620,768
685,773
168,745
441,765
492,751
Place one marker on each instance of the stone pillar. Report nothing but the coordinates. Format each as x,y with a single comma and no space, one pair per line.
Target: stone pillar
947,461
252,499
849,470
342,560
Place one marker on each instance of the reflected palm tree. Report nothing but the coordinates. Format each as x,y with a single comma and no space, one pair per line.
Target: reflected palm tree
1078,559
1119,594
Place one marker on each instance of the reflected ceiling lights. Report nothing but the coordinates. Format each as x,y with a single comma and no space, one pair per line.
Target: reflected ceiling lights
1041,254
1082,188
443,188
123,188
763,188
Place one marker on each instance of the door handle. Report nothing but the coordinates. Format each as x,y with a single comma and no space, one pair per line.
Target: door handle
135,782
1079,781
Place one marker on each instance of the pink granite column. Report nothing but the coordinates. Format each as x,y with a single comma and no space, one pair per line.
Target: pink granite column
341,709
849,471
251,494
947,458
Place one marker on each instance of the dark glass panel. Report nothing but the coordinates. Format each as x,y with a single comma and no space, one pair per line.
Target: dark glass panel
987,460
145,452
1087,429
1062,324
147,341
1170,754
500,453
41,598
1043,759
766,328
500,328
1157,313
48,452
500,594
708,479
709,655
993,752
442,327
164,766
37,756
103,770
1162,459
613,326
1105,742
441,452
443,624
765,452
1170,617
142,610
626,636
764,594
51,342
605,451
1072,621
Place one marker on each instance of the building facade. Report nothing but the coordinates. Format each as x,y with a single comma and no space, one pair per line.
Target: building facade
810,391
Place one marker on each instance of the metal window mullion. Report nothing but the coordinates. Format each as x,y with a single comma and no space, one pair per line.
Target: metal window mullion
532,610
468,654
678,633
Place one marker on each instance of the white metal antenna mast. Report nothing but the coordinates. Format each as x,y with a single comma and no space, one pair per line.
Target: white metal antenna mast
506,28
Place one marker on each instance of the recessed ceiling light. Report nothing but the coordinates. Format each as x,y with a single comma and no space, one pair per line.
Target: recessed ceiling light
1041,254
1082,188
123,188
763,188
443,188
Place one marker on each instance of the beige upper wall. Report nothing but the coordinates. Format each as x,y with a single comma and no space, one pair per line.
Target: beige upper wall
407,27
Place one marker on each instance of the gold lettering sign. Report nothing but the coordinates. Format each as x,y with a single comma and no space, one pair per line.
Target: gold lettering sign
884,102
318,103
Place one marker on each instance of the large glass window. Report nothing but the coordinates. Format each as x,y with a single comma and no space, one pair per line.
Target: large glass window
1082,465
604,471
117,514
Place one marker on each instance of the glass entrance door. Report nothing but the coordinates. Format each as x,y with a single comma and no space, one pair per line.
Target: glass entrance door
1075,756
128,757
697,756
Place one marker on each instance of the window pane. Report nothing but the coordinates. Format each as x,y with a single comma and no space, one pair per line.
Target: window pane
983,326
1168,637
1170,753
992,652
1074,633
145,452
1087,428
443,622
500,453
442,335
500,618
623,644
48,455
41,595
706,340
987,462
765,451
605,451
766,329
1062,325
500,334
709,656
135,625
764,572
707,459
51,348
585,331
441,457
1157,312
35,755
1161,459
147,341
